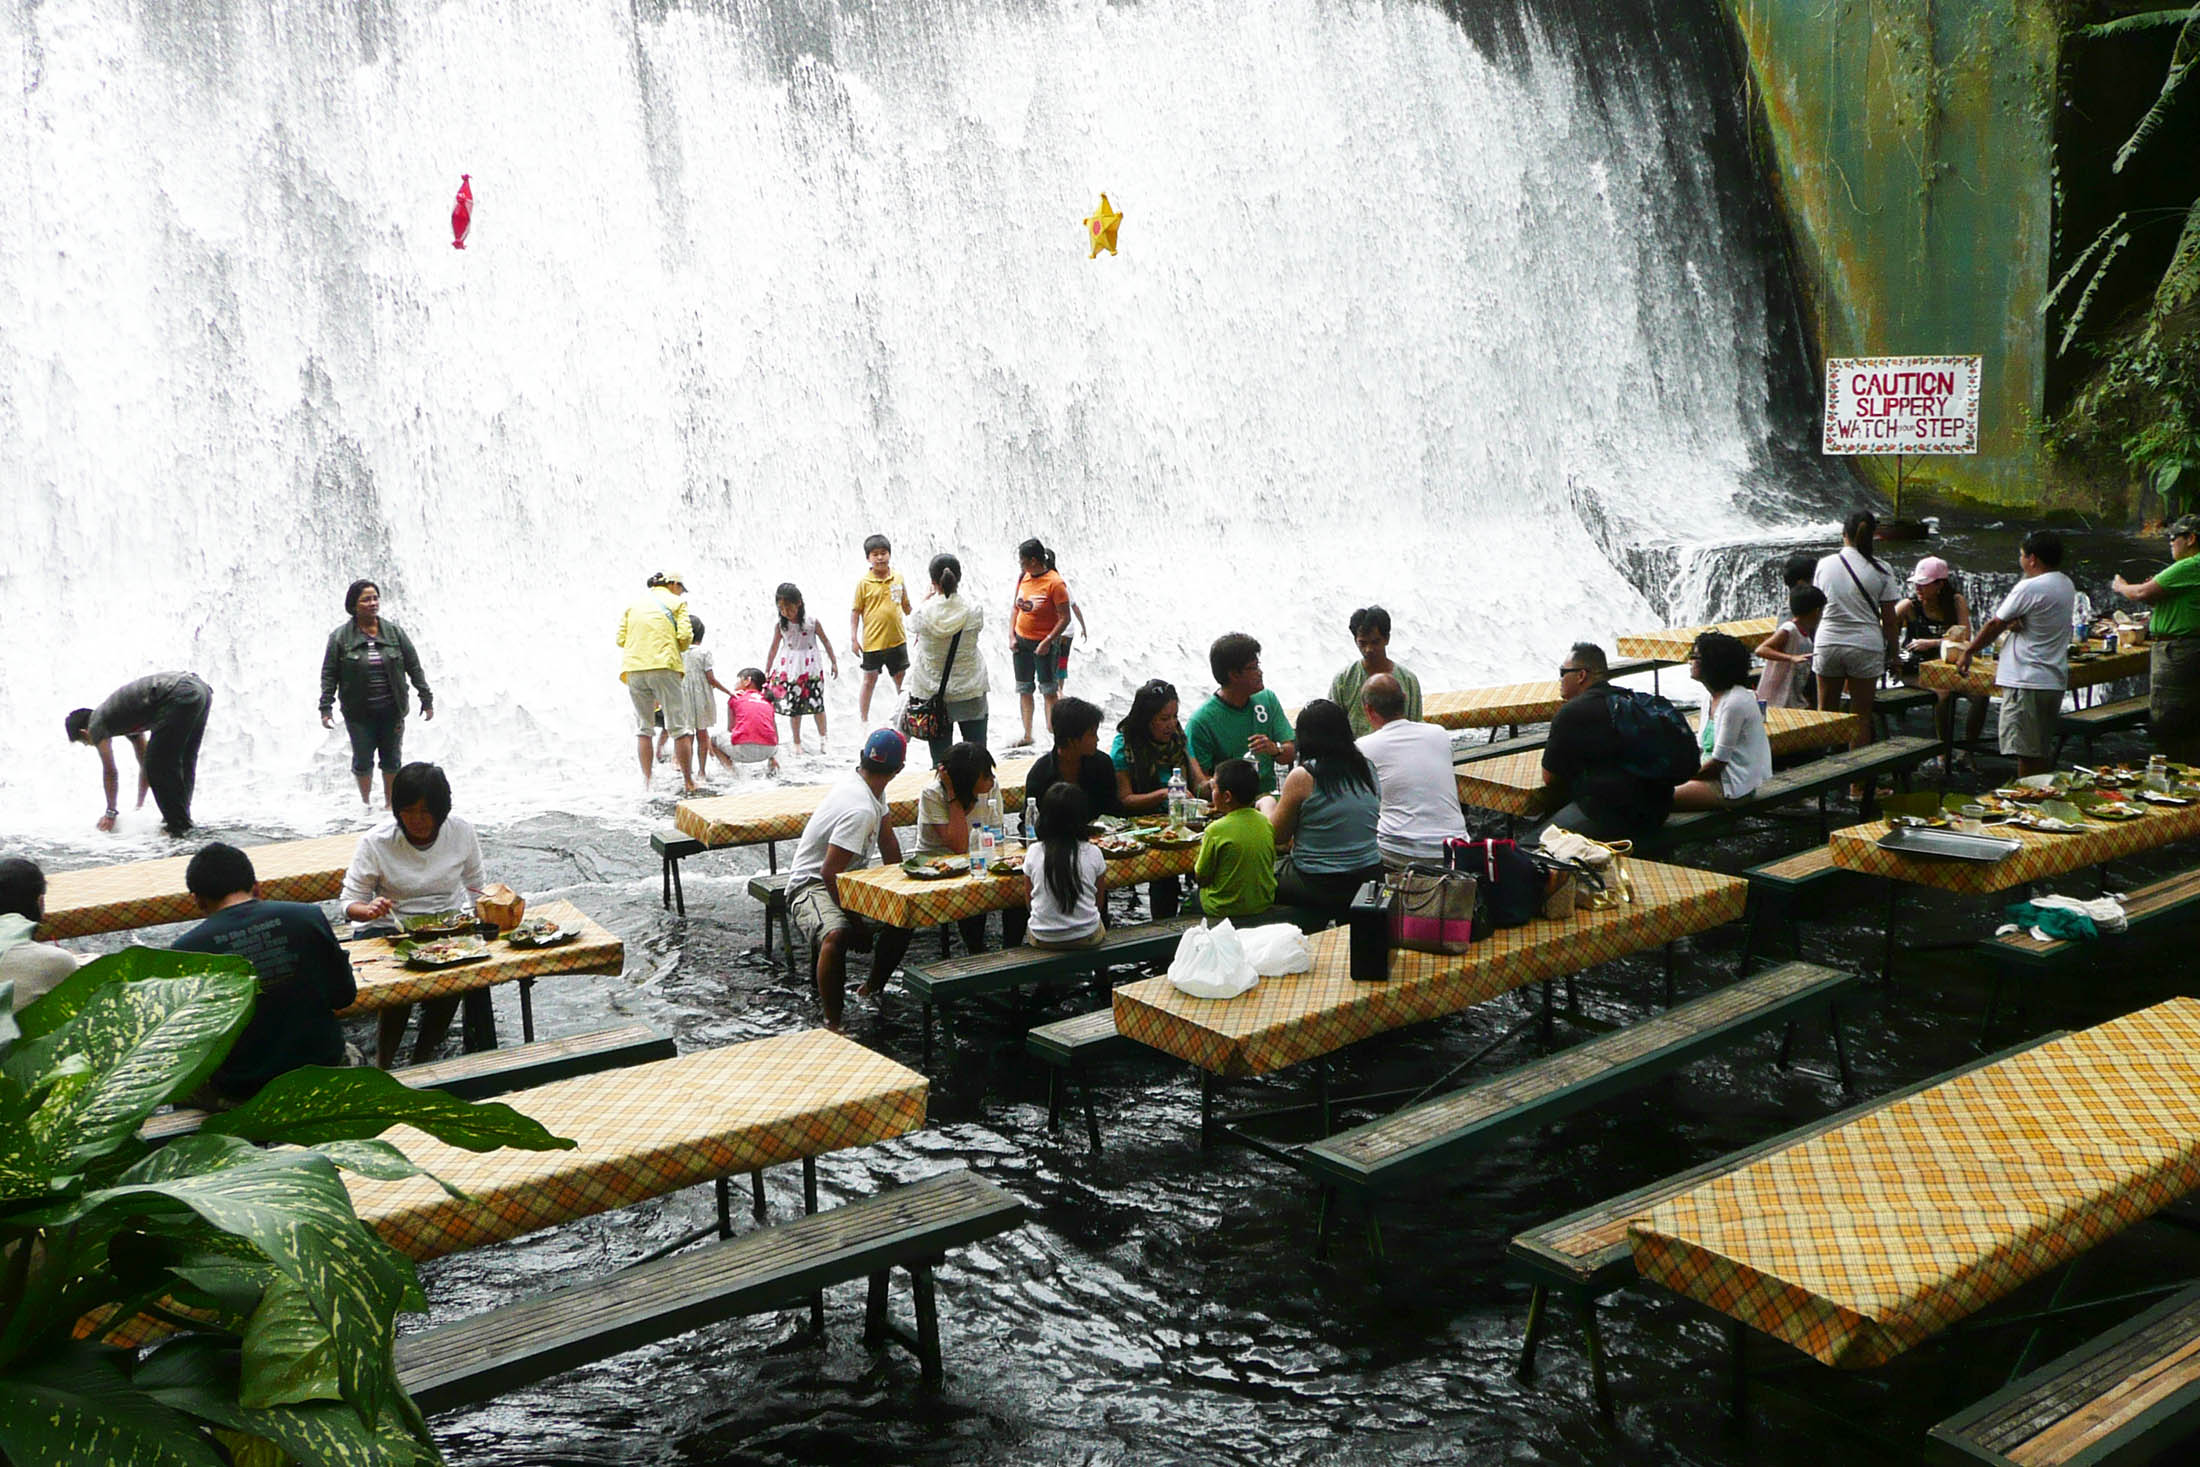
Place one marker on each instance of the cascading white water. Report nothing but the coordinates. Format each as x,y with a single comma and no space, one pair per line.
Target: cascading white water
751,279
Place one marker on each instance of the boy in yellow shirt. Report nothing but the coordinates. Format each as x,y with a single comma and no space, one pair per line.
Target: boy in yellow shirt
874,626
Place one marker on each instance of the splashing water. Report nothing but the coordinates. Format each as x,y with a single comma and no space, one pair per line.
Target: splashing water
1402,314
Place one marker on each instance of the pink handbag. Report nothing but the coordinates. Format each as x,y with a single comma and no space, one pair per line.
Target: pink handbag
1432,909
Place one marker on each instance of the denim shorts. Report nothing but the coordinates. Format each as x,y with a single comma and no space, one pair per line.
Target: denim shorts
377,733
1035,674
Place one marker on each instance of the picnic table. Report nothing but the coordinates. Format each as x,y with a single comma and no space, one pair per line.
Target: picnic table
2044,854
1507,706
150,893
385,981
645,1132
778,812
1513,783
1941,676
891,895
1307,1015
1861,1242
1672,643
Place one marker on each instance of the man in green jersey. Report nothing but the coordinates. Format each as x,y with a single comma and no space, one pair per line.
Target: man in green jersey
2173,713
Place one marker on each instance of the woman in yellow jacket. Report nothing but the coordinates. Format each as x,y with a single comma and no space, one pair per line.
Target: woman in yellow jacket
654,631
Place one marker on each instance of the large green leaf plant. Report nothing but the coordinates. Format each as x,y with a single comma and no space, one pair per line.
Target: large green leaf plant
275,1306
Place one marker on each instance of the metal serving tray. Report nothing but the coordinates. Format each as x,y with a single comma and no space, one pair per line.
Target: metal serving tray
1951,845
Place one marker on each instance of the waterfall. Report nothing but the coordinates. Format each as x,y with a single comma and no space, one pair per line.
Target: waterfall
1473,315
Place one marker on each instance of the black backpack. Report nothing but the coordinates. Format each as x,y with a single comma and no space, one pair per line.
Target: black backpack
1511,884
1655,742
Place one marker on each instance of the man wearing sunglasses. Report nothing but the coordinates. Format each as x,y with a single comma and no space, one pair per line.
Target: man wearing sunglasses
1584,761
2173,711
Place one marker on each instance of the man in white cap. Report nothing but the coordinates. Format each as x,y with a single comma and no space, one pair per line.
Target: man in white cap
2173,704
850,822
655,631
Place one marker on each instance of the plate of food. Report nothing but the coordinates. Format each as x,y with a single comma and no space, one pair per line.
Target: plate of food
1110,824
1008,864
441,952
438,924
540,932
1115,847
1171,837
2115,810
936,868
2156,797
1920,822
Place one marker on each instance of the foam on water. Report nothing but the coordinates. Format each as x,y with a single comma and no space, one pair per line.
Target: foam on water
1402,315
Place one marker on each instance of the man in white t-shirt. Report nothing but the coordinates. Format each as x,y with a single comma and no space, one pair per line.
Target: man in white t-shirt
1412,760
849,822
2034,668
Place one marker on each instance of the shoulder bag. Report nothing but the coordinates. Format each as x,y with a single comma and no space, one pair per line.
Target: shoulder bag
926,717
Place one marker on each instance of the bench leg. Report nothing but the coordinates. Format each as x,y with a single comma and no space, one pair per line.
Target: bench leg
1543,1017
1324,1204
768,961
1600,1388
771,856
1538,1300
725,1207
1787,1044
756,1190
928,1325
665,897
1054,1099
809,1208
874,1310
1092,1119
527,1010
679,893
1840,1052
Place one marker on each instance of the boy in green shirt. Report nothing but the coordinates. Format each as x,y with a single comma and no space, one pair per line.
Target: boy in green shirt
1236,869
1243,719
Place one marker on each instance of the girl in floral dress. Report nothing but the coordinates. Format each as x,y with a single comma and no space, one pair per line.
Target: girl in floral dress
797,682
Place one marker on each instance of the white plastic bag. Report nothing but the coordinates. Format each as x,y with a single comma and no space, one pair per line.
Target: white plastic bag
1210,963
1276,949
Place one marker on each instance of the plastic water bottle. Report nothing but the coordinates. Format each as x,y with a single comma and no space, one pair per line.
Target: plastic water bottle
981,849
2081,618
1031,821
2157,776
1180,799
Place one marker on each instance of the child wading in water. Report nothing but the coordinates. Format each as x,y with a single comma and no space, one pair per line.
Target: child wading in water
702,708
797,682
751,727
875,627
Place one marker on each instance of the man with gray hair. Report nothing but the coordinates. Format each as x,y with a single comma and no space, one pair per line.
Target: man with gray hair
1420,794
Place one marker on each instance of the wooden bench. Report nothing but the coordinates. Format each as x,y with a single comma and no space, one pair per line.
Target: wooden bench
940,985
490,1071
1473,753
1068,1047
1776,890
2090,723
2123,1397
770,889
673,847
1431,1134
1586,1255
1820,777
2020,953
909,1227
1899,702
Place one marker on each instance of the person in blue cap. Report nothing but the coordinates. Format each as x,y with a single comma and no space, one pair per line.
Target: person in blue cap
850,825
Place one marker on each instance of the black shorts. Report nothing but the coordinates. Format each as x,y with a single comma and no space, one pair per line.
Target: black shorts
892,660
377,733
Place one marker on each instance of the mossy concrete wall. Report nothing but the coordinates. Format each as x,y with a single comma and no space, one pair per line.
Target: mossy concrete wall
1912,145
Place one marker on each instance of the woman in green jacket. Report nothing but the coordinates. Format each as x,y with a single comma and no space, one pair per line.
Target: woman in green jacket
362,669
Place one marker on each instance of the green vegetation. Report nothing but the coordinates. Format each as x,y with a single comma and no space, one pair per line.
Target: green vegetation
275,1306
2141,408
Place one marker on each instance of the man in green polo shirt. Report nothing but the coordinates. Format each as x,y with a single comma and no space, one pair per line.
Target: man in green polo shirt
1243,720
2173,712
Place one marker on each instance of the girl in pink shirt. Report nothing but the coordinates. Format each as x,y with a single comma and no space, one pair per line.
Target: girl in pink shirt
752,724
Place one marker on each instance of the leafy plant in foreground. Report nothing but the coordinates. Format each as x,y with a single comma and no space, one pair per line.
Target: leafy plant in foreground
272,1307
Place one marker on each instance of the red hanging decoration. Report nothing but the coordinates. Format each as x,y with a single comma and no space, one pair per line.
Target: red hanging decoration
462,212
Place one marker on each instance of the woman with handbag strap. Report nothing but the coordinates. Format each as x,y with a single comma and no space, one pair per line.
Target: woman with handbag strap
946,623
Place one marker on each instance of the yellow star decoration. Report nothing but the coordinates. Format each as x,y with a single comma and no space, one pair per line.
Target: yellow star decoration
1102,223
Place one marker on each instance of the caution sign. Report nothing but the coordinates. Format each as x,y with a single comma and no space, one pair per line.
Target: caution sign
1902,405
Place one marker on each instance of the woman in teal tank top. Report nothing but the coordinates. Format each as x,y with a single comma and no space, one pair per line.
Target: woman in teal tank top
1326,809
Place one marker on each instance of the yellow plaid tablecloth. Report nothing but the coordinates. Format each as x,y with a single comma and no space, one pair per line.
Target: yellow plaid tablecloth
1860,1243
1287,1020
1513,783
2044,855
384,980
644,1132
890,895
1498,707
780,811
1672,643
149,893
1942,677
